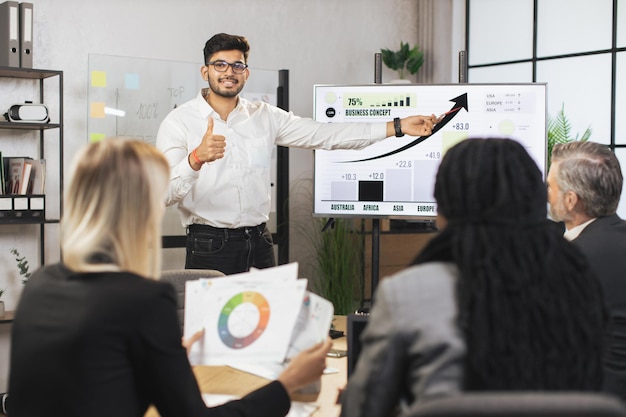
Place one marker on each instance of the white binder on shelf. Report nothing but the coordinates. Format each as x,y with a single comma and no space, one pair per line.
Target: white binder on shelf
9,34
26,35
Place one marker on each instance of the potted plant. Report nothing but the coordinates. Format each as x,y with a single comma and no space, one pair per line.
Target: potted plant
339,263
22,264
332,251
559,131
2,303
405,59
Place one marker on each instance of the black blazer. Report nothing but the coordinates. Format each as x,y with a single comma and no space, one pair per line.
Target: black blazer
604,244
109,344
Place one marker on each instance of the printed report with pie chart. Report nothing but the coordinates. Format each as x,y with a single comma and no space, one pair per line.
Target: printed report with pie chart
248,318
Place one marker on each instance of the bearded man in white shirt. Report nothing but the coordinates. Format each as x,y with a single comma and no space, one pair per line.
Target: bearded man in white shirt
219,147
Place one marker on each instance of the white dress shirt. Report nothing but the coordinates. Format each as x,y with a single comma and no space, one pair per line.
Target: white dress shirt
235,191
573,233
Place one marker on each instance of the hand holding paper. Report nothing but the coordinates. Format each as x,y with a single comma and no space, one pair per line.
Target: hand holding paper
188,343
306,368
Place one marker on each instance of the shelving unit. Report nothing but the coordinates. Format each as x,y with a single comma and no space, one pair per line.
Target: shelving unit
56,122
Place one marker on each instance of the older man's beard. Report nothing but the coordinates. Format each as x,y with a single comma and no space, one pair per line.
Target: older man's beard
558,212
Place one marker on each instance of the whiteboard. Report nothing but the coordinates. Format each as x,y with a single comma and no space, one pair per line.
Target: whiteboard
130,96
395,178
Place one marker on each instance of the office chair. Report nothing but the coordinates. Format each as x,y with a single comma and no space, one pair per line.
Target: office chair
522,404
178,277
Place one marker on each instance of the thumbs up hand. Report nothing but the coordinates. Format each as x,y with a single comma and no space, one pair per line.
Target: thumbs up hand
210,149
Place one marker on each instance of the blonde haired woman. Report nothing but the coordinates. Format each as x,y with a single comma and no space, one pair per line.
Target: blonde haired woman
97,335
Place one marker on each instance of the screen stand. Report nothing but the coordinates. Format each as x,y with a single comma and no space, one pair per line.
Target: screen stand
378,79
330,223
375,255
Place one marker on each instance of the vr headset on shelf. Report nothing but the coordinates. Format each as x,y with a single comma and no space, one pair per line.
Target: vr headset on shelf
28,113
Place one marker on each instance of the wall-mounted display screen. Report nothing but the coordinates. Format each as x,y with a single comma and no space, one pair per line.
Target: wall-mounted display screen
395,178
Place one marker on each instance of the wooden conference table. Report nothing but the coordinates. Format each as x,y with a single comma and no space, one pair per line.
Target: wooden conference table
230,381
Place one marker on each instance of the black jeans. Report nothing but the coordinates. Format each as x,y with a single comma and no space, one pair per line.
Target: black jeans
230,251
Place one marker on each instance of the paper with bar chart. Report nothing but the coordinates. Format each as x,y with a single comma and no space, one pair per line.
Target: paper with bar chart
395,178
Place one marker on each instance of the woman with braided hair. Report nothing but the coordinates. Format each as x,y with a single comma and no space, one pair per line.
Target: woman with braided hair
497,301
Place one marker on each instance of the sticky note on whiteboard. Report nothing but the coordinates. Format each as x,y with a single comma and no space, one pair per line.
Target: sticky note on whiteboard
98,79
131,81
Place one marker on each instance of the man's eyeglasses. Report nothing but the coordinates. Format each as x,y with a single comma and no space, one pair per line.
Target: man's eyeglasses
222,66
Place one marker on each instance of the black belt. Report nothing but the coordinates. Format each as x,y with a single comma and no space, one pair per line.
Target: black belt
244,232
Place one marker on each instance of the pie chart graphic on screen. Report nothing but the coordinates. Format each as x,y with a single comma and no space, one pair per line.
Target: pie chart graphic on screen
243,319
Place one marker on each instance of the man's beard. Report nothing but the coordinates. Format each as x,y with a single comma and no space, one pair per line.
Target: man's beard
553,213
558,212
216,88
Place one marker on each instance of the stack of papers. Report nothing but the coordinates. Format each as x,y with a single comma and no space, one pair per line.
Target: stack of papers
298,409
255,320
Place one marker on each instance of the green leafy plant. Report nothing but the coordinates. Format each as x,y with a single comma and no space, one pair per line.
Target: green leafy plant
333,255
22,264
404,59
339,263
560,131
2,292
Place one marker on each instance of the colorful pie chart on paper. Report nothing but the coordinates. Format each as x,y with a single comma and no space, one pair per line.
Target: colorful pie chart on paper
243,319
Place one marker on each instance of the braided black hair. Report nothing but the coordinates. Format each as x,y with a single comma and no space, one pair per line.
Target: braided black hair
531,312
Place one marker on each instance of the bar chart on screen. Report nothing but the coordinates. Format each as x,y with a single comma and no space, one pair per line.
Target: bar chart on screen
395,178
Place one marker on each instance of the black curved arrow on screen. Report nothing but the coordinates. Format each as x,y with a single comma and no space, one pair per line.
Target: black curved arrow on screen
460,102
